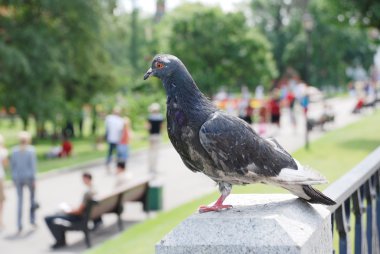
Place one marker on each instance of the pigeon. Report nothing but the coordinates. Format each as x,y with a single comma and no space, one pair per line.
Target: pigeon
224,147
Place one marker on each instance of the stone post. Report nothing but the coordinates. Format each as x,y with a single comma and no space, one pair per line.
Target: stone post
263,224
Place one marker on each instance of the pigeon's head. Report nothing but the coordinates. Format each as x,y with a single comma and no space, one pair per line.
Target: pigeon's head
163,66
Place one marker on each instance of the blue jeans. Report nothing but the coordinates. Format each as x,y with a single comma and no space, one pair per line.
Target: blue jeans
20,192
57,229
111,148
122,152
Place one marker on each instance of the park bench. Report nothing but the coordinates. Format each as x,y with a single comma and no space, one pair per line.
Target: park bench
321,121
134,191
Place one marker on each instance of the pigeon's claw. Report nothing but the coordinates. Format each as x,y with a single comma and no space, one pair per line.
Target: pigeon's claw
213,208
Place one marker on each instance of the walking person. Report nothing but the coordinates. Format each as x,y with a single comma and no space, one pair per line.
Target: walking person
3,163
114,127
291,99
23,164
155,121
123,145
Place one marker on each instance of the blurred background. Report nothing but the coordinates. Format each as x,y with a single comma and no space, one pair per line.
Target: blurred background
72,61
66,64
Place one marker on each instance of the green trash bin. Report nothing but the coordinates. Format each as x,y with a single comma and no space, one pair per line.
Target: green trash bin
154,196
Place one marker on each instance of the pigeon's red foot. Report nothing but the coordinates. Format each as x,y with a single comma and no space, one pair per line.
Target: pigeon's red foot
214,208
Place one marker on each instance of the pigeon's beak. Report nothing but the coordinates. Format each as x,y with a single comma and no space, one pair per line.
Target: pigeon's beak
148,73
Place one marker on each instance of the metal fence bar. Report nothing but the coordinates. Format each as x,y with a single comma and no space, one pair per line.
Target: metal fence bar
368,192
342,227
343,188
377,177
361,186
360,235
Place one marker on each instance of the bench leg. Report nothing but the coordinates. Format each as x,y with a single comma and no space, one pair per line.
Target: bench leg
87,238
120,222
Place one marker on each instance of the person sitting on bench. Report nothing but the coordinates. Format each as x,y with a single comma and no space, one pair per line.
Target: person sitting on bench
56,223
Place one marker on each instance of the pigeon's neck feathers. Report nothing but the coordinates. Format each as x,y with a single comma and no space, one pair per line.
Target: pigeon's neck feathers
180,85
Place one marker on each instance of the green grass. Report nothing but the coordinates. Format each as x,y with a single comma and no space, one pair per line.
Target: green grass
333,155
84,149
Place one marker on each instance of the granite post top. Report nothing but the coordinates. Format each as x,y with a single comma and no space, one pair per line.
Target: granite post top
256,221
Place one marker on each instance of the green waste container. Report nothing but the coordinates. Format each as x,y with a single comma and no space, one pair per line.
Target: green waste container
154,196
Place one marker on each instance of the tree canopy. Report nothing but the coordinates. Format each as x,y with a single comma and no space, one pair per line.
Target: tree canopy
51,55
220,49
56,56
321,53
355,12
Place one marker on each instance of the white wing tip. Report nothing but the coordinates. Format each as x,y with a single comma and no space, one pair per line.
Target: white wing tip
304,175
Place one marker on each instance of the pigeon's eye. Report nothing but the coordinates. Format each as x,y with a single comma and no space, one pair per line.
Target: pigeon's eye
159,65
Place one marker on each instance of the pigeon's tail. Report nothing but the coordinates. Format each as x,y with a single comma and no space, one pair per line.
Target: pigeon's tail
308,193
317,197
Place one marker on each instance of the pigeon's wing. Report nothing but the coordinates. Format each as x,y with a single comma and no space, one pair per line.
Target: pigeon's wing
235,147
277,146
303,175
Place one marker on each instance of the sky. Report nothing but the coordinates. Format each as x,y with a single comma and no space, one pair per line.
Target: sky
149,6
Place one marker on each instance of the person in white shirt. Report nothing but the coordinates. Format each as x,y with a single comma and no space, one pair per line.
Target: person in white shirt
3,163
122,177
114,126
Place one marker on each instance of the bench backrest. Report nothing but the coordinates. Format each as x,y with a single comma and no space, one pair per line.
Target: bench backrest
135,190
105,205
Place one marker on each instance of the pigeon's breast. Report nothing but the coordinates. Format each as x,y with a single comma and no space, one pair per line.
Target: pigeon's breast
183,130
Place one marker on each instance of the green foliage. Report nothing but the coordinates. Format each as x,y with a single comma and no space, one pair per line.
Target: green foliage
220,49
273,18
51,56
320,55
57,56
355,12
333,49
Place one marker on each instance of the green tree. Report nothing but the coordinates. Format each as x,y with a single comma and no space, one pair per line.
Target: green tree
354,12
333,48
273,17
219,49
322,54
52,57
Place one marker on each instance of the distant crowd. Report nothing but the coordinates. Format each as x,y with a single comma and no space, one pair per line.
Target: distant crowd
366,93
265,110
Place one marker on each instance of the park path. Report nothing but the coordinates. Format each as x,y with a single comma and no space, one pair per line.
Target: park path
180,186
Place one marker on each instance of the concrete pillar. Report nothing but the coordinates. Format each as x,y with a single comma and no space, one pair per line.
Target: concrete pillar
256,224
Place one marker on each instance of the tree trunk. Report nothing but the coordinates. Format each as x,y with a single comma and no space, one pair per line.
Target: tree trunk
41,130
94,125
25,123
80,126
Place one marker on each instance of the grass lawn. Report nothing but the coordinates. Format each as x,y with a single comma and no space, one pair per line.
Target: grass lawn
84,149
333,155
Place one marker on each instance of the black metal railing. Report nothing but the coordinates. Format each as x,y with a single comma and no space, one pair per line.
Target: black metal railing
357,193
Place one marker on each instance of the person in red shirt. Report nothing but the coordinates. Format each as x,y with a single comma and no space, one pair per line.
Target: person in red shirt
359,105
123,145
275,110
66,148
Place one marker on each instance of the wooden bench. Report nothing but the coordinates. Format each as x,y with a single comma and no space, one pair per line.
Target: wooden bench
135,190
324,119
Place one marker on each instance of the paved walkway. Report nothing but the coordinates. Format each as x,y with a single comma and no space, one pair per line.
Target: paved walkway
180,186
